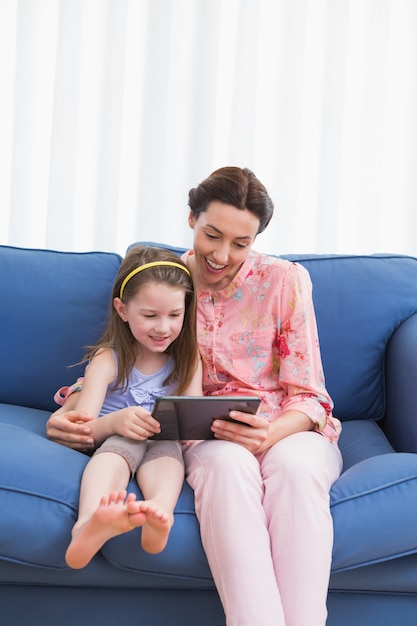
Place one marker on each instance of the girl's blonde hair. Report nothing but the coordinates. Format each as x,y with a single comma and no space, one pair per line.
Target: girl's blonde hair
117,335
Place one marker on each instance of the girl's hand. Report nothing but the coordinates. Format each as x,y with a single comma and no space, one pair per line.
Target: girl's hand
134,422
250,431
70,428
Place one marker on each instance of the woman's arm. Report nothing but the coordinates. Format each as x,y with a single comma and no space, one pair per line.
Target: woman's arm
306,404
70,428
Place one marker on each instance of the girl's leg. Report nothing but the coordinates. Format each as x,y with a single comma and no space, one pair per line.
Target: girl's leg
297,474
99,517
103,511
103,474
229,495
160,478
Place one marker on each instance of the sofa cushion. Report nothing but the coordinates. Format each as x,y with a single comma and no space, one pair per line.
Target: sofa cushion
40,480
53,305
360,440
41,477
376,484
25,417
374,511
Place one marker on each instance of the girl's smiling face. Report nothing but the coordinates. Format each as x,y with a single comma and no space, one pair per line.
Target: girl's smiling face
155,315
223,236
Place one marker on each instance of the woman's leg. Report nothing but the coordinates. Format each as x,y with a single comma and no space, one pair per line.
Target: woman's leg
229,494
297,475
257,530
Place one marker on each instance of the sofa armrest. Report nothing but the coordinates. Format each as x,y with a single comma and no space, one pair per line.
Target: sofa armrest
400,423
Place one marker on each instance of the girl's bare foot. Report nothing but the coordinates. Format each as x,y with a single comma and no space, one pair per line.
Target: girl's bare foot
157,524
110,519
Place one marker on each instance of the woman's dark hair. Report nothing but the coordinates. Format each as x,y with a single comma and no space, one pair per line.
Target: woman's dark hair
236,186
117,335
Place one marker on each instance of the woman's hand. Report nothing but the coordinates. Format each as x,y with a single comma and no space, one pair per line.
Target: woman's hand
256,433
70,428
250,431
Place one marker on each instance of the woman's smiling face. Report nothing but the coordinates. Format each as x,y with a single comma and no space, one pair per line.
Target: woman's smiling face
223,236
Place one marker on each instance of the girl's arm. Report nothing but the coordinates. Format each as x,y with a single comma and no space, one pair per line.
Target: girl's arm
133,422
98,376
76,424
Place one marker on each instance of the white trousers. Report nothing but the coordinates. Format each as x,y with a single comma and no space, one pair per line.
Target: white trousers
266,526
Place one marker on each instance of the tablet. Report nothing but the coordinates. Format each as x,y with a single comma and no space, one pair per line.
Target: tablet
190,417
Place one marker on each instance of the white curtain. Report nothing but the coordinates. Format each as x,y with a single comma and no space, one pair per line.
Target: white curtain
110,110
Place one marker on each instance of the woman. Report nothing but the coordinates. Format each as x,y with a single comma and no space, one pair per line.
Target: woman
267,531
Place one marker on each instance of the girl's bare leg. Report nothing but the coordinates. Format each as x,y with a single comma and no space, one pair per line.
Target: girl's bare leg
160,481
101,517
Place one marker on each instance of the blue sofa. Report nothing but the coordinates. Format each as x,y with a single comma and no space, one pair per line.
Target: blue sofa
55,303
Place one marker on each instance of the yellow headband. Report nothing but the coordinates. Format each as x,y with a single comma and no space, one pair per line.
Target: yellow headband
145,267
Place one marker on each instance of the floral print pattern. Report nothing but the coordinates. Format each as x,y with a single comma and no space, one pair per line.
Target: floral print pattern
258,336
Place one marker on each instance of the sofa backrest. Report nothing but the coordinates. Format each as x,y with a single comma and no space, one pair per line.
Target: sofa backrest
53,304
359,301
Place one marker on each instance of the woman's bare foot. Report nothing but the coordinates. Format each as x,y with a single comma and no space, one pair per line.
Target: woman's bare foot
110,519
157,525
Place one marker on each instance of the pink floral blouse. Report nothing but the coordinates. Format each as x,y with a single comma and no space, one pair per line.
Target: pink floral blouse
258,336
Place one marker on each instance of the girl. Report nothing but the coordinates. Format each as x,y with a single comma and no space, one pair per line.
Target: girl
148,349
